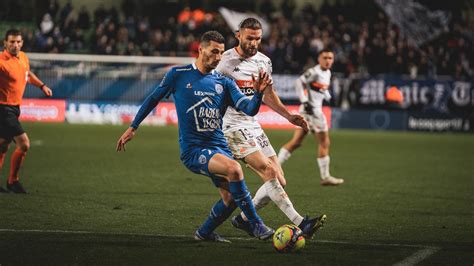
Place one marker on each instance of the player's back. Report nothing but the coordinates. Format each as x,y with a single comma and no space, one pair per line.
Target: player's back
241,70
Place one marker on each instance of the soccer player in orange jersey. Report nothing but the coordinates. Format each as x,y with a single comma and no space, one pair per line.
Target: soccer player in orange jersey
14,73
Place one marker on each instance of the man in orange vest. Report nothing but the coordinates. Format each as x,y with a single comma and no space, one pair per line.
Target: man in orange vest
14,73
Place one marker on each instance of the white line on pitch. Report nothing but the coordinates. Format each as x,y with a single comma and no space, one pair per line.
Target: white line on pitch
190,236
417,257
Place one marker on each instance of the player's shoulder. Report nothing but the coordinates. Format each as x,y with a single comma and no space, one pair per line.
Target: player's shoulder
262,56
4,56
23,55
230,55
311,72
321,71
230,52
218,75
184,68
181,70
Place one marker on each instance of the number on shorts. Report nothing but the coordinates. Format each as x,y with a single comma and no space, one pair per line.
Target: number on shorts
262,140
246,134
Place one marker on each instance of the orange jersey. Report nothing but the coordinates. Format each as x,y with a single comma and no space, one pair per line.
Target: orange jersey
14,73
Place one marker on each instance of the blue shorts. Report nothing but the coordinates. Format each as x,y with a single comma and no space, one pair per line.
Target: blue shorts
197,160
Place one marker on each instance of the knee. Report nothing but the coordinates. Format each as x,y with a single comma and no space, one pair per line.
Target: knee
325,143
269,169
24,147
227,198
234,171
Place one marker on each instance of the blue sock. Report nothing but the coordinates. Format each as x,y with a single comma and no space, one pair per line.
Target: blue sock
242,197
219,213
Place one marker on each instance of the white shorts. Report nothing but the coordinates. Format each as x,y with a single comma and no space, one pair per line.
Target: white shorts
317,122
245,141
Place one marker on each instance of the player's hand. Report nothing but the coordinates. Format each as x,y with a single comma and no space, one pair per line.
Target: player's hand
327,95
263,81
47,91
126,137
308,108
299,120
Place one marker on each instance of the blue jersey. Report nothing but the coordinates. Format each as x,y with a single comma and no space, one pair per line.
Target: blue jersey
201,101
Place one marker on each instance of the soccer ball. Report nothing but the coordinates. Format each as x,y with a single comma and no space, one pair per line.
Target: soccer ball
288,238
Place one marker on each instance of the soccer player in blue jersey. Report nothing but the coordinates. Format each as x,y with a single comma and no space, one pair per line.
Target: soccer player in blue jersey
201,97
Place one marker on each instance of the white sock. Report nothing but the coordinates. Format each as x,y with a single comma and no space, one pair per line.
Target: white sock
278,195
283,155
323,163
260,200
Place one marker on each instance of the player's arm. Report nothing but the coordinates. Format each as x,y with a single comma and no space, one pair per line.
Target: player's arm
273,101
35,81
309,80
301,86
163,90
242,103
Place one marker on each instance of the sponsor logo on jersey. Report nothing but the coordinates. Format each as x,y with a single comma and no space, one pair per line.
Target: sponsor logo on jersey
206,118
204,93
246,87
236,69
247,91
189,86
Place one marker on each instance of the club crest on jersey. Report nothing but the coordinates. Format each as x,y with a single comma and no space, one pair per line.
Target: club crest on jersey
219,88
189,86
202,159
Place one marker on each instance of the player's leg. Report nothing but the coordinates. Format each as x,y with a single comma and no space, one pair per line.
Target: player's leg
221,210
308,225
221,165
295,142
8,120
4,144
324,160
18,156
264,162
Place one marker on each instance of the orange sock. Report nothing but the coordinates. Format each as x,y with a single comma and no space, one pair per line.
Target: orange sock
2,159
18,157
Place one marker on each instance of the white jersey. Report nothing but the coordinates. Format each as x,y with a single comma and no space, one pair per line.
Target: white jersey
316,81
241,69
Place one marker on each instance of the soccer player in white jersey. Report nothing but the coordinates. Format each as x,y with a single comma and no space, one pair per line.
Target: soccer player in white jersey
245,136
312,88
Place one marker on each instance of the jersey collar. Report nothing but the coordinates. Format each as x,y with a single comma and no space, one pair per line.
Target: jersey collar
195,68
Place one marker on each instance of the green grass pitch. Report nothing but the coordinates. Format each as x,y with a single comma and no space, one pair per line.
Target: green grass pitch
87,204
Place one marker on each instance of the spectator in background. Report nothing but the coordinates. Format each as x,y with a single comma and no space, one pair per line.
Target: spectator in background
83,20
46,24
363,40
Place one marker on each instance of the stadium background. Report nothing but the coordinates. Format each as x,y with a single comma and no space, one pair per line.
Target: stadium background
407,192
